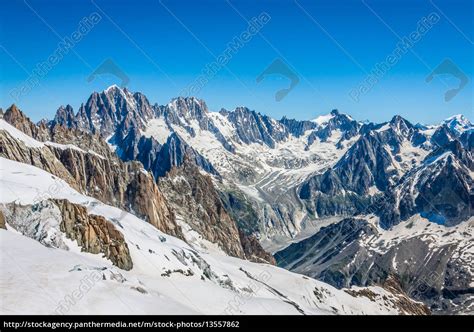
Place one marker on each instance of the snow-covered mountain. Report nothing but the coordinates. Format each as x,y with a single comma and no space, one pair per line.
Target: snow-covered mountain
429,262
257,156
459,123
65,252
242,184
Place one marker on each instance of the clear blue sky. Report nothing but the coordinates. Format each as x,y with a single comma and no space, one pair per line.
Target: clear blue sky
163,47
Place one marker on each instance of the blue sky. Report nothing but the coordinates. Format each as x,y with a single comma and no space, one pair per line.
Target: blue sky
331,46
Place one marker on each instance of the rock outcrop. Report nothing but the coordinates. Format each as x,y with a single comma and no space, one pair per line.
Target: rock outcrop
397,296
52,221
253,127
2,221
253,249
195,197
41,157
94,233
100,175
199,202
18,119
149,203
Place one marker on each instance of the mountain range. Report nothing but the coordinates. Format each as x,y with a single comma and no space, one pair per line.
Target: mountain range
369,218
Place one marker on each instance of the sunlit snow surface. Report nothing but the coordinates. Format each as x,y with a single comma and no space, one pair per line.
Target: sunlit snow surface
168,276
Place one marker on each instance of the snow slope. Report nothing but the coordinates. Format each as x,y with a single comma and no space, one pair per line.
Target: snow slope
168,275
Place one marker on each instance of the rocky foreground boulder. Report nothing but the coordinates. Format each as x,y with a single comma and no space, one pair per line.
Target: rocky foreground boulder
94,234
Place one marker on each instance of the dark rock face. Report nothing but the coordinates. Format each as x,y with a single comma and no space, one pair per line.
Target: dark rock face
194,195
199,202
173,153
94,234
364,165
64,117
253,127
441,189
442,136
467,140
297,128
111,110
2,221
159,159
345,188
325,254
254,251
19,120
104,177
241,210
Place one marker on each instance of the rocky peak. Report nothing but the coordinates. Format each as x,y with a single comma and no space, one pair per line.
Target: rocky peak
456,148
64,116
253,127
401,125
188,107
113,108
458,123
342,121
297,128
334,121
442,136
397,132
14,116
113,88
